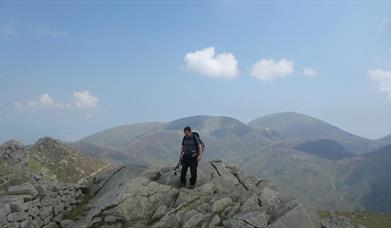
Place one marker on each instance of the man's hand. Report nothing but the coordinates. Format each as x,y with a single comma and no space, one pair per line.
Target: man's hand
199,157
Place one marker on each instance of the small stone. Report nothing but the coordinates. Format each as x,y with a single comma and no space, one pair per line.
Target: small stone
215,221
5,209
51,225
95,221
58,209
33,211
160,211
194,221
48,201
47,220
23,189
17,216
45,211
23,206
66,223
221,204
111,219
58,218
14,202
12,225
26,223
37,222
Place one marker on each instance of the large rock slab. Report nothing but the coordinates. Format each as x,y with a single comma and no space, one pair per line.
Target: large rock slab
23,189
150,197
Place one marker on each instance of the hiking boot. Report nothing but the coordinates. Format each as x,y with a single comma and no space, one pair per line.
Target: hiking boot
181,185
191,187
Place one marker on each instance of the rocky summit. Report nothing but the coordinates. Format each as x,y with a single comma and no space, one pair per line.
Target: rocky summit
47,159
137,196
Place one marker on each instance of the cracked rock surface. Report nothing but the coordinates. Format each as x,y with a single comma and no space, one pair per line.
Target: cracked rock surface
136,196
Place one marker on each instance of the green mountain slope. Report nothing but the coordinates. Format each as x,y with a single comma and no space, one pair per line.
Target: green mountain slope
325,148
121,136
375,169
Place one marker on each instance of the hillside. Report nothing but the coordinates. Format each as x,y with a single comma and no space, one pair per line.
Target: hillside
228,138
298,127
121,136
386,139
48,159
328,149
320,172
376,169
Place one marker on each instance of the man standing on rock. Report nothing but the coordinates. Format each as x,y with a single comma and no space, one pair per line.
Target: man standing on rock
191,153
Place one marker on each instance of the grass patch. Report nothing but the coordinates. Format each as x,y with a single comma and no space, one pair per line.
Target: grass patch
80,209
34,165
368,219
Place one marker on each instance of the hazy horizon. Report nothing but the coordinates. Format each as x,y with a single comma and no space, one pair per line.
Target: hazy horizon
69,69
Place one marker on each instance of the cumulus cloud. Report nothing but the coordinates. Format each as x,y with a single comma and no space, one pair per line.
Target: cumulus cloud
268,69
383,78
207,62
82,99
309,72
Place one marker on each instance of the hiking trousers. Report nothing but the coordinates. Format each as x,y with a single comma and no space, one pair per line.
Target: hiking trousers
191,163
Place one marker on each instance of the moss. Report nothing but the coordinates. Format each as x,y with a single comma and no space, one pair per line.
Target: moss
80,209
34,165
368,219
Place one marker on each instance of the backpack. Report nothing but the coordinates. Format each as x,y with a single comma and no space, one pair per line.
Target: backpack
202,143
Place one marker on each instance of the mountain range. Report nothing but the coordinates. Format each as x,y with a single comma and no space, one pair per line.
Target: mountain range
316,162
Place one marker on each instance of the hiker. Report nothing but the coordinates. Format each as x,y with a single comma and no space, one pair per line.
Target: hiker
191,153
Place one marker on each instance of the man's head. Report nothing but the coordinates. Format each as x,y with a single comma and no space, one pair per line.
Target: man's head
187,131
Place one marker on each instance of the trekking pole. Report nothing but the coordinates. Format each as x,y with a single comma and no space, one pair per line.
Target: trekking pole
177,167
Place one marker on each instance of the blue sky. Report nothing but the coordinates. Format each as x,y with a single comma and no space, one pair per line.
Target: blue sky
70,69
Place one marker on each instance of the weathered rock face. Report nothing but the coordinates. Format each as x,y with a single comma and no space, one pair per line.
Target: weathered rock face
223,197
47,159
13,152
43,204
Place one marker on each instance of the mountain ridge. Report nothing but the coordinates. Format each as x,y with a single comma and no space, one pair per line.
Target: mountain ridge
263,152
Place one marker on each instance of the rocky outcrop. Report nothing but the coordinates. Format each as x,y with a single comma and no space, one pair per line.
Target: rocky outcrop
42,205
338,221
13,152
134,196
47,159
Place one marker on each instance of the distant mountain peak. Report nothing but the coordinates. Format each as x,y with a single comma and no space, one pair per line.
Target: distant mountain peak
297,127
205,123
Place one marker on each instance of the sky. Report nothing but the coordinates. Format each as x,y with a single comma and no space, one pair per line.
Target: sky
69,69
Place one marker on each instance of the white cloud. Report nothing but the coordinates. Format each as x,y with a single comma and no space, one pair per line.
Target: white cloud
309,72
43,101
207,62
13,28
82,99
8,29
46,31
268,69
18,105
386,25
383,78
85,100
